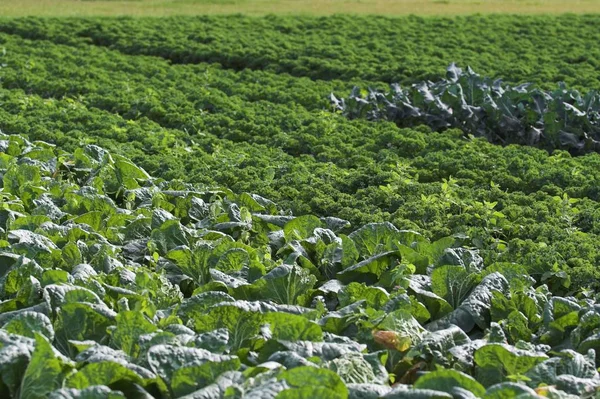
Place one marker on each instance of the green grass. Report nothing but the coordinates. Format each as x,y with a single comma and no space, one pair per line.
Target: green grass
310,7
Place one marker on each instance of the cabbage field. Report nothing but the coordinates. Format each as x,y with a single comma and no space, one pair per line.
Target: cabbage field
300,207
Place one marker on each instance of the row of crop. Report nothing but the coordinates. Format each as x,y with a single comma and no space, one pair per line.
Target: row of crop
561,118
353,169
197,101
116,284
538,49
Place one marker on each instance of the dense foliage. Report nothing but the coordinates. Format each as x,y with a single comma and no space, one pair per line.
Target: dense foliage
274,135
115,285
503,114
168,267
544,50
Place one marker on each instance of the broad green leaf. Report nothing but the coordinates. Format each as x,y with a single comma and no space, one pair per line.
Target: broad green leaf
524,302
567,363
240,320
128,173
188,369
301,227
61,294
130,325
310,392
215,341
475,309
303,379
55,276
516,326
290,327
192,262
45,372
355,368
197,305
286,284
591,342
469,259
19,176
159,217
436,305
447,380
369,269
71,254
478,303
102,373
15,354
201,373
80,322
433,251
509,390
19,271
437,345
349,252
367,391
517,276
233,260
453,283
169,236
375,238
588,323
398,330
404,391
497,361
560,317
376,297
28,324
93,219
93,392
30,243
30,223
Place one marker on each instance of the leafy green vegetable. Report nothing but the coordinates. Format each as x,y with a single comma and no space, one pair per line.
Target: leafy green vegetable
484,107
46,371
447,380
155,287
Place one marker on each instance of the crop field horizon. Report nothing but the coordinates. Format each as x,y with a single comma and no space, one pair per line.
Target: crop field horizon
157,8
